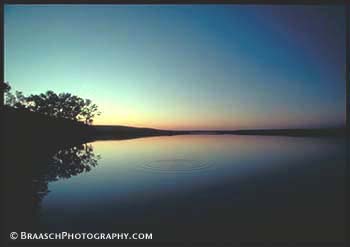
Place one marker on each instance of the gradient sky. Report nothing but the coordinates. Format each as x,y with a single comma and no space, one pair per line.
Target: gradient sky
185,66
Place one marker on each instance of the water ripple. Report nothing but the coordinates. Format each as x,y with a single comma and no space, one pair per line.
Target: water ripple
175,165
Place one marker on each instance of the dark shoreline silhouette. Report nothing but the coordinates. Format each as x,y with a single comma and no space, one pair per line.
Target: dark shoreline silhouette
115,132
30,127
314,132
30,140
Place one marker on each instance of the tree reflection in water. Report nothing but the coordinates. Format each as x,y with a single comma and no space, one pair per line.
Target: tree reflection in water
63,165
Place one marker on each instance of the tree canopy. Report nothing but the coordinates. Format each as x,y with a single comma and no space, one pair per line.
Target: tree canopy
62,105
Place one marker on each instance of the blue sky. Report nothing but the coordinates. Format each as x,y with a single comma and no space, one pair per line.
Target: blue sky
185,66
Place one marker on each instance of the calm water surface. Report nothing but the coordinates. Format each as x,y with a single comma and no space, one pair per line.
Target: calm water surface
205,186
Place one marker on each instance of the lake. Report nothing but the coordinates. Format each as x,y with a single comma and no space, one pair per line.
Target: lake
201,188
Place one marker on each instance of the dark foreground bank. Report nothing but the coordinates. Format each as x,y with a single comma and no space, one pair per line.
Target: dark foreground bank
29,141
21,129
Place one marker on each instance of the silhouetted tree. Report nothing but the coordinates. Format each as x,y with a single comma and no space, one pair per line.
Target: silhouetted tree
63,105
16,100
89,111
4,88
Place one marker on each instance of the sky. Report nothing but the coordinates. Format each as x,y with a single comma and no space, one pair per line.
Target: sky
185,66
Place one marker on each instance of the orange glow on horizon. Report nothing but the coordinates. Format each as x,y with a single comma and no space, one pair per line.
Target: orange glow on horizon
211,124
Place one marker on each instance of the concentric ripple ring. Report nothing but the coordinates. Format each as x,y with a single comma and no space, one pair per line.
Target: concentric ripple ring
175,165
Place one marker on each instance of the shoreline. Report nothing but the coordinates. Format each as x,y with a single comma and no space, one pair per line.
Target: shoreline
23,130
125,131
